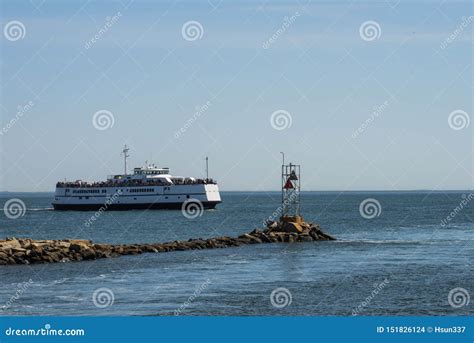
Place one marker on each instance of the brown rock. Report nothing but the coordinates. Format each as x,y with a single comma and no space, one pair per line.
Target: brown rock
24,251
291,227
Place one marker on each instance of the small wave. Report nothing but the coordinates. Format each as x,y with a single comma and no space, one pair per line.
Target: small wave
462,226
40,209
60,281
69,298
385,241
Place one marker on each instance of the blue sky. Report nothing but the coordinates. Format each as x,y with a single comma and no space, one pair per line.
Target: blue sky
319,69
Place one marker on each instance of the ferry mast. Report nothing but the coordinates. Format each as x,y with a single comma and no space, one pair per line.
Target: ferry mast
125,156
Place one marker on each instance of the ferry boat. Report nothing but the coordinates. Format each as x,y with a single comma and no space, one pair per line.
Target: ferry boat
149,187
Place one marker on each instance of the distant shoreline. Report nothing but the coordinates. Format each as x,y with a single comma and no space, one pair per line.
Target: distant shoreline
4,193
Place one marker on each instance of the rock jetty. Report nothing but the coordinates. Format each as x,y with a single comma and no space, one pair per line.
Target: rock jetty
29,251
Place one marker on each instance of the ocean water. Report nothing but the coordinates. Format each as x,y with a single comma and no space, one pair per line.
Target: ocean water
401,262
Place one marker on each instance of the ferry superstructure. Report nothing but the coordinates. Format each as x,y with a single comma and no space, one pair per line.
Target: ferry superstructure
149,187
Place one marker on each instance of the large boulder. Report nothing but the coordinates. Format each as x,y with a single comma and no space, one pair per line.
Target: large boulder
290,227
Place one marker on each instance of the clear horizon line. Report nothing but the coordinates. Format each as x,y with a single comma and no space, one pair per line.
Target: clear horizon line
333,191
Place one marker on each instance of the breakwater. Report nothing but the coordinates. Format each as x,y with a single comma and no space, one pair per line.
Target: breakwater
30,251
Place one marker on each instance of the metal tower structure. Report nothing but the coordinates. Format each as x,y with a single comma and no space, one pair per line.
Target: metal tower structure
290,190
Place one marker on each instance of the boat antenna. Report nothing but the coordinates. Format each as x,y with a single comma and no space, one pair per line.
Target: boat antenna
207,168
282,178
125,156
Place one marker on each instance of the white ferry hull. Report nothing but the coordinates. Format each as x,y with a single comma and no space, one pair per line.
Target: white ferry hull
135,197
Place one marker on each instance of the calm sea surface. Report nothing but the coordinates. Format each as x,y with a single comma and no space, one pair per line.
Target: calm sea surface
402,262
